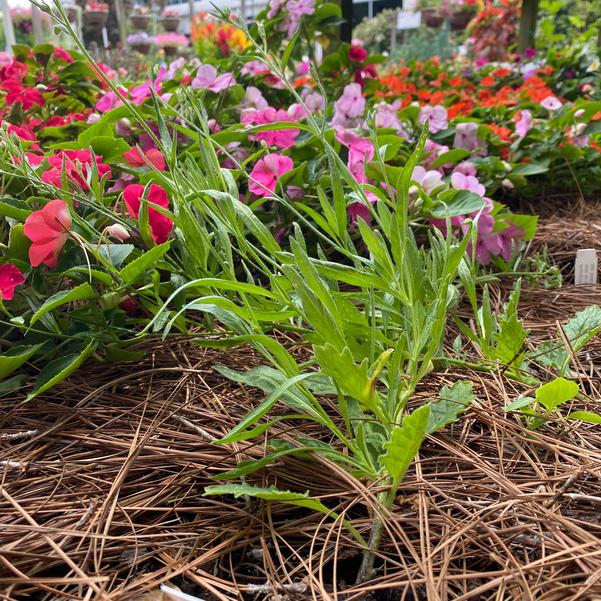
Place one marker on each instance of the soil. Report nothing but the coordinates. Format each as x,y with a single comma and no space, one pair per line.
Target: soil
103,478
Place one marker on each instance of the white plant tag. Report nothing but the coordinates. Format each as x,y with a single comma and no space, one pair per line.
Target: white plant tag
586,267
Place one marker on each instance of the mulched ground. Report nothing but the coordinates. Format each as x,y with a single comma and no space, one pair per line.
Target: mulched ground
102,484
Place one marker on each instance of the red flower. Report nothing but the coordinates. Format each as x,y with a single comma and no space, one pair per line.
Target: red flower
48,230
78,166
62,55
14,70
136,159
160,225
357,54
10,278
17,92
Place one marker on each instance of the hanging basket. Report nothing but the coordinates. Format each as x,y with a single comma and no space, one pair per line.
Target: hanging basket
140,22
95,18
142,48
460,18
170,50
170,23
431,17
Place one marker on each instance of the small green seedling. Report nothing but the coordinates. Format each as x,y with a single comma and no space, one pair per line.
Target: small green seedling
548,398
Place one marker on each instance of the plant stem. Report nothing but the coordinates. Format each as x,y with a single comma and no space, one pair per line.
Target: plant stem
385,500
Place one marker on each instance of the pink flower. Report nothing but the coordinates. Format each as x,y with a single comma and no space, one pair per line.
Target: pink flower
459,181
254,68
118,232
361,151
153,156
314,102
429,180
10,278
207,79
467,168
48,230
551,103
349,106
522,126
387,117
140,93
284,137
433,150
160,225
297,111
254,99
265,174
466,136
436,116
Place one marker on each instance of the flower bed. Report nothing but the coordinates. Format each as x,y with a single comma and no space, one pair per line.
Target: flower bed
347,205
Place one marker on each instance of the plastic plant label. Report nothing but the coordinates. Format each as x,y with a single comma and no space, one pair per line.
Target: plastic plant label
586,267
408,20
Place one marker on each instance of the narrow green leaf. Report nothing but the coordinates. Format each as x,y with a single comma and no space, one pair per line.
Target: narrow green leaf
59,369
79,293
15,357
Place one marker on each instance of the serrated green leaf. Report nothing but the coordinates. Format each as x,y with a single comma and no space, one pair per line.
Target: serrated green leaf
140,265
267,494
453,402
405,442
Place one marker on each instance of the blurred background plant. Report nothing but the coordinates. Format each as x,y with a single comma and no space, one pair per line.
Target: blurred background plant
214,38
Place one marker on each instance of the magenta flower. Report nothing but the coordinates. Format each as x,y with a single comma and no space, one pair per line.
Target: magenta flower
314,101
10,278
108,102
267,171
436,116
284,138
522,126
207,79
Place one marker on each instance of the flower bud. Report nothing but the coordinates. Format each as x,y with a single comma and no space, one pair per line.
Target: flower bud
93,118
123,127
507,184
579,113
41,87
118,232
506,166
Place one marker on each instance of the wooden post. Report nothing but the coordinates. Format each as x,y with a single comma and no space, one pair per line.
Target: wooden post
9,32
191,11
121,23
527,24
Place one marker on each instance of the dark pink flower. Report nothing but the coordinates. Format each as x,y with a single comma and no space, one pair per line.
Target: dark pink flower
10,278
284,138
267,171
160,225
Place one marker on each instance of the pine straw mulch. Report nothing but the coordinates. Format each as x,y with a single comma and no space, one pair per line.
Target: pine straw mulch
103,477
